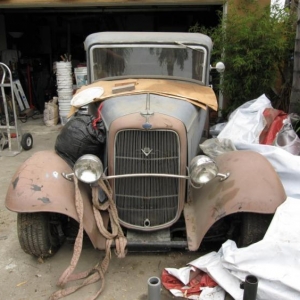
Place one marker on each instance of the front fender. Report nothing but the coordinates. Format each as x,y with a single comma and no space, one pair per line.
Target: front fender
38,186
253,186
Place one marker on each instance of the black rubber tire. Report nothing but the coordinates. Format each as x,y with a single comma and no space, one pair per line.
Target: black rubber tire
37,236
27,141
253,228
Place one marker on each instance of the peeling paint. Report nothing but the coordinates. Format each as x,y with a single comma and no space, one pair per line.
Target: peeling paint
55,174
36,188
15,182
45,200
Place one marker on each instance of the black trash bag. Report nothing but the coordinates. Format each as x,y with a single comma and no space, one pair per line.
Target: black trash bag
81,136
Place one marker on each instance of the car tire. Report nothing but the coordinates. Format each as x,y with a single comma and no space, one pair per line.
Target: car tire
253,228
27,141
38,234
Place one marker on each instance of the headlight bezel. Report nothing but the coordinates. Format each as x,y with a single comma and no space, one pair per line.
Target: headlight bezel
202,169
88,168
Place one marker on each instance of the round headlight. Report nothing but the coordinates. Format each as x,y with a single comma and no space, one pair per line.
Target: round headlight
88,168
202,169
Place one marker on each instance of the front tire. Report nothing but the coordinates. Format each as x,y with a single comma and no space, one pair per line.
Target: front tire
40,234
253,228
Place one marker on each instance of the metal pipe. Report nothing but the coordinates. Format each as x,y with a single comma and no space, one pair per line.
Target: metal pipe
250,287
154,287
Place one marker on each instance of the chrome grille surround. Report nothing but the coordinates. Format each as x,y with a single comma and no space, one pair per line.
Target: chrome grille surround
147,202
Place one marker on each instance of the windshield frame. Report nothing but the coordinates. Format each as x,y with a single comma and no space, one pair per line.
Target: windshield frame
192,46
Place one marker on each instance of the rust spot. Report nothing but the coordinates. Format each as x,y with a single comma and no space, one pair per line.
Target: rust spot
36,188
15,182
218,212
226,197
45,200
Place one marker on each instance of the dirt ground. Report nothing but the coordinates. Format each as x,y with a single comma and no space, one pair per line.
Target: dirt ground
25,278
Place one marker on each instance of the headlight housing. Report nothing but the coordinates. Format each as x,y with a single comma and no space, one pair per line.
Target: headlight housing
202,169
88,168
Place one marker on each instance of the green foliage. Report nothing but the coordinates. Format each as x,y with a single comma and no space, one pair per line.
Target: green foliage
256,47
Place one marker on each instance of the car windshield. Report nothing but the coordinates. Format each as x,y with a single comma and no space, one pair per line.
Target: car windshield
148,61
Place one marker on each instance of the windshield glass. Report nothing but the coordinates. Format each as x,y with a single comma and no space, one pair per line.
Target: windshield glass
148,60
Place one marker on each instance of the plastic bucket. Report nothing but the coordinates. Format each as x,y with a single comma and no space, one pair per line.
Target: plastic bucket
63,119
65,85
62,65
80,76
64,106
64,101
64,79
65,93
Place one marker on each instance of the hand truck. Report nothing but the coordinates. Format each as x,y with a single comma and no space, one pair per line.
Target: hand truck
12,141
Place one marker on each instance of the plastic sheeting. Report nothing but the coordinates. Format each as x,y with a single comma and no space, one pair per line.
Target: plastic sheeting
243,130
275,260
247,121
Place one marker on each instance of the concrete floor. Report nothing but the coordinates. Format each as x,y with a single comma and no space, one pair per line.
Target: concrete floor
25,278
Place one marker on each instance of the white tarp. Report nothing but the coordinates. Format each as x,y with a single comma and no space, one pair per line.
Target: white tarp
275,260
247,121
243,129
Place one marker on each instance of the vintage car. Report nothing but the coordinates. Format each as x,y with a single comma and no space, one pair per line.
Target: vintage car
153,95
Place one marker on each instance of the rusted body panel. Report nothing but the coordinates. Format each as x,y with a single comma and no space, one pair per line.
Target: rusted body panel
253,186
38,186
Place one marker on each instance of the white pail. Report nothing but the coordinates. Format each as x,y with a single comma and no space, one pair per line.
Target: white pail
63,114
80,76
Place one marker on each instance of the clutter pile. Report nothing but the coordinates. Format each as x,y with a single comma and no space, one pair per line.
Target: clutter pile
273,261
258,127
64,88
51,112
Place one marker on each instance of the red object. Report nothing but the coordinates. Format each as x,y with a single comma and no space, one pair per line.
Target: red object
29,86
201,279
274,119
99,117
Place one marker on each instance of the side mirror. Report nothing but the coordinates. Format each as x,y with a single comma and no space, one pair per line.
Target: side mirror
220,67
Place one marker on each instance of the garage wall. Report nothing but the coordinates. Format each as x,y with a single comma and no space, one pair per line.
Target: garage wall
3,44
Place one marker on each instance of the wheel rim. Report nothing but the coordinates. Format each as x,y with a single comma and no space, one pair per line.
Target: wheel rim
28,142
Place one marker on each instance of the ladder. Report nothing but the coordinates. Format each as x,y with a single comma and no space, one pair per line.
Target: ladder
20,95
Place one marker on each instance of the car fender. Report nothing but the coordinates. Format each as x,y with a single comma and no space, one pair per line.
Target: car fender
253,186
38,186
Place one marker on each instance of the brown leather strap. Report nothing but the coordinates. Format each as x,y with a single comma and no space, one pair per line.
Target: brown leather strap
97,272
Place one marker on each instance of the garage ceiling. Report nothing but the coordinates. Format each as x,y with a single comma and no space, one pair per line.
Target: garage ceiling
78,3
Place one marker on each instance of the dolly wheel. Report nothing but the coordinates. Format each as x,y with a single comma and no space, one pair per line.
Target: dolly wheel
27,141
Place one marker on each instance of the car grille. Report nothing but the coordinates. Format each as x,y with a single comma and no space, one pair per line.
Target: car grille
147,201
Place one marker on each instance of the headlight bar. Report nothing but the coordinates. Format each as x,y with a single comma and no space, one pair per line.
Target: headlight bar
89,169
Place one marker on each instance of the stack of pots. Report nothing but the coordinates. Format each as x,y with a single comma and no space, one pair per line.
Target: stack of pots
64,81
